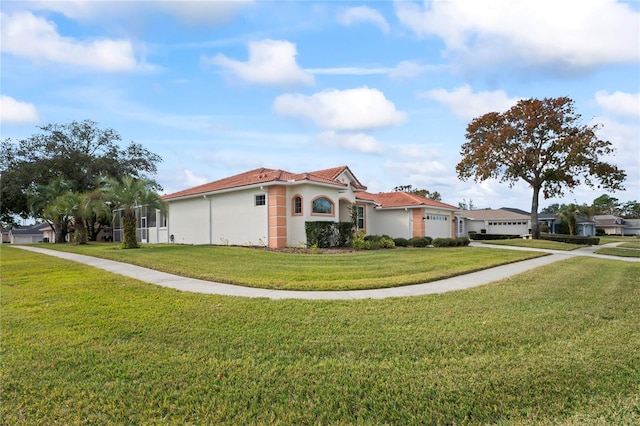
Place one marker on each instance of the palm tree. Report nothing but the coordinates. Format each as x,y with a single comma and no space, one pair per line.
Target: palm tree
77,206
126,195
569,213
40,199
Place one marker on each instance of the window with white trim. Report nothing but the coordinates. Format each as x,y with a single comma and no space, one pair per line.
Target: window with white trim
261,200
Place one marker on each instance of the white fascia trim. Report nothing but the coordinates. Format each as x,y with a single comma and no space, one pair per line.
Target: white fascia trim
258,186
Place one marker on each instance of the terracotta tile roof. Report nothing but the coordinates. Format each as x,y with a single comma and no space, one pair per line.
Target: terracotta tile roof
402,199
492,214
263,176
334,172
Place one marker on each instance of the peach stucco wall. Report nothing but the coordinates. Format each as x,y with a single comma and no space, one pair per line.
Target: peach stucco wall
277,200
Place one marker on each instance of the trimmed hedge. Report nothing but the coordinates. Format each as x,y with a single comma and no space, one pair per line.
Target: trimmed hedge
401,242
328,234
571,239
420,241
451,242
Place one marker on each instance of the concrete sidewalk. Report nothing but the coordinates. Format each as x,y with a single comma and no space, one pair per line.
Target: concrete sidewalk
208,287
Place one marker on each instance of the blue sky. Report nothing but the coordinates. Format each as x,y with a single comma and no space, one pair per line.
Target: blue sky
387,88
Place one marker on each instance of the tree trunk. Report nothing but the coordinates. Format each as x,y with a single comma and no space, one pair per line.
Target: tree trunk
80,231
535,229
129,230
58,230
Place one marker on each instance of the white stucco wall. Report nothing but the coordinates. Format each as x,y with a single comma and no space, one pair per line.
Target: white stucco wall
236,220
393,222
228,218
296,234
189,221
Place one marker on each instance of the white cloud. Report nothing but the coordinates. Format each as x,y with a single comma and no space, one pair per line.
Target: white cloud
28,36
349,71
190,179
270,62
363,14
351,109
14,111
619,103
409,69
468,105
569,34
352,141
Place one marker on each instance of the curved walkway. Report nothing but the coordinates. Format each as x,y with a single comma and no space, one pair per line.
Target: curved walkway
208,287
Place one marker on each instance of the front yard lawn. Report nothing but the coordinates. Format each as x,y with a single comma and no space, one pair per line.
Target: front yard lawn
557,345
537,244
617,251
294,271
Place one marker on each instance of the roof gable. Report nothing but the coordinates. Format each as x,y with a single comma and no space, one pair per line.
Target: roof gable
399,199
270,176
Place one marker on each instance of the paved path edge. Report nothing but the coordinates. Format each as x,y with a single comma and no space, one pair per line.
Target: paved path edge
460,282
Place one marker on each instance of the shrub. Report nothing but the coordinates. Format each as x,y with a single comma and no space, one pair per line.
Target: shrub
442,242
600,232
451,242
419,242
328,234
401,242
359,241
462,241
571,239
385,242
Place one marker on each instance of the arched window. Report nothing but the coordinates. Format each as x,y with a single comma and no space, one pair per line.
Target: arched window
322,205
297,204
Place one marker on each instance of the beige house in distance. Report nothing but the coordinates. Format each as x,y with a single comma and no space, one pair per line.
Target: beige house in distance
492,221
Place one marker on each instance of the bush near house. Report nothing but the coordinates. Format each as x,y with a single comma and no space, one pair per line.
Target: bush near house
451,242
420,241
371,242
328,234
571,239
401,242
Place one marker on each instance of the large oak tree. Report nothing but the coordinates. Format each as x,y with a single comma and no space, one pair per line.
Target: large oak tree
78,152
543,143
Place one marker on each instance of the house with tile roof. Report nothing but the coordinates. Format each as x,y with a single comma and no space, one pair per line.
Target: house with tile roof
493,221
270,208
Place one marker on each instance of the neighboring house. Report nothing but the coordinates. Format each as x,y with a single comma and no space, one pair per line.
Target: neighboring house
551,223
5,235
270,207
614,225
492,221
31,234
585,226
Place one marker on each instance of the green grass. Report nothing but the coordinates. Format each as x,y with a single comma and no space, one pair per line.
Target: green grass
277,270
536,244
604,239
621,252
559,345
633,245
